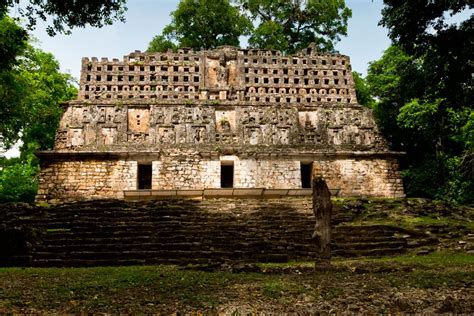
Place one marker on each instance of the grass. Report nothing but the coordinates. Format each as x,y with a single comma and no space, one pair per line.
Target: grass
408,213
147,289
412,222
437,260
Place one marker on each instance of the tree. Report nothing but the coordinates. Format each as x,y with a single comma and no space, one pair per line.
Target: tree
33,118
290,25
422,29
432,132
161,44
64,15
429,102
12,42
67,14
30,94
203,24
32,88
47,88
394,79
363,93
18,180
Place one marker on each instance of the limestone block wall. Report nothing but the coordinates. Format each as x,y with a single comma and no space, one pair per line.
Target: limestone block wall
195,173
245,173
274,174
358,177
185,173
65,180
88,179
254,75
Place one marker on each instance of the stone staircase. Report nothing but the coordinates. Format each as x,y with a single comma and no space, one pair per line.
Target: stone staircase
111,232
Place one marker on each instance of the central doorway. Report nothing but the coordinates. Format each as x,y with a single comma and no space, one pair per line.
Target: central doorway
144,177
227,175
306,174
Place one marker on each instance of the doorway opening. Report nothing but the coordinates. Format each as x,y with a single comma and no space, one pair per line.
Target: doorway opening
306,174
144,177
227,175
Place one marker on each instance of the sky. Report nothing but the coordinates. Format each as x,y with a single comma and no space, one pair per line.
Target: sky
365,41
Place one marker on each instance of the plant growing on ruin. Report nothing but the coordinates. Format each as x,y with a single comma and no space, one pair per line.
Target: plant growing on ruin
119,103
292,25
283,25
161,43
202,24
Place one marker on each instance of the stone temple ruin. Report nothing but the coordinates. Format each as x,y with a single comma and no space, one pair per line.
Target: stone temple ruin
224,118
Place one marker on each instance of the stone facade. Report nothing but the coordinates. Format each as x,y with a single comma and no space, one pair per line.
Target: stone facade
190,114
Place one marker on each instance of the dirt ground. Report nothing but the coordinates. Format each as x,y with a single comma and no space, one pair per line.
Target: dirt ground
436,283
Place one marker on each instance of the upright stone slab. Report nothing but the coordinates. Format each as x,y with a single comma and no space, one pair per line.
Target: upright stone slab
224,117
322,209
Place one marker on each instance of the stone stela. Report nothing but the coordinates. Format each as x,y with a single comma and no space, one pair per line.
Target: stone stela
229,117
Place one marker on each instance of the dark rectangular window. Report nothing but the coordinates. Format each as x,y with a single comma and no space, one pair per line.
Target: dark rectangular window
144,177
306,174
227,176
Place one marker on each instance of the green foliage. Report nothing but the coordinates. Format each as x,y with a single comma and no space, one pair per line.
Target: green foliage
434,134
273,289
161,44
468,131
293,25
364,95
396,76
12,89
18,180
422,30
419,116
47,89
204,24
394,80
423,84
439,177
412,23
31,91
30,95
67,14
12,43
283,25
270,35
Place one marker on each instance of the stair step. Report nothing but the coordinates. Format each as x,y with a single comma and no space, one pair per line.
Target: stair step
370,245
132,254
369,252
341,238
100,247
108,232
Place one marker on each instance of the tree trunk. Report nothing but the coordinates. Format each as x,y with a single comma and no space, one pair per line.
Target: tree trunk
322,209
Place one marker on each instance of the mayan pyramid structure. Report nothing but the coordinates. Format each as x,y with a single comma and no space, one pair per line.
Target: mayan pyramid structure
223,118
